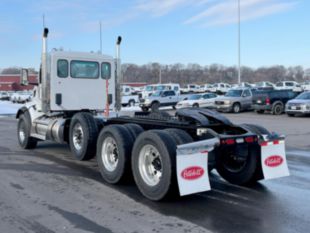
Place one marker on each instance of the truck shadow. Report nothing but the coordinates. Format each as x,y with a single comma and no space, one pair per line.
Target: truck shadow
225,207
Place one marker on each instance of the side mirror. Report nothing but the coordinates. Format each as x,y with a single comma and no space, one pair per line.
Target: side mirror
24,77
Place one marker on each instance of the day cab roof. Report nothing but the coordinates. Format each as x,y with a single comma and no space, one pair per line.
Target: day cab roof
79,55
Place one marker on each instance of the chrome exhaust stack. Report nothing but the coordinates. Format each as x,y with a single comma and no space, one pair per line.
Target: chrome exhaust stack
44,74
118,75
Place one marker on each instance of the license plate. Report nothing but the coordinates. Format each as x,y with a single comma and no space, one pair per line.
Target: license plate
293,107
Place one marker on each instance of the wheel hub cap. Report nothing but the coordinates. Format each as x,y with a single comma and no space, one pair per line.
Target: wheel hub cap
109,154
150,165
78,136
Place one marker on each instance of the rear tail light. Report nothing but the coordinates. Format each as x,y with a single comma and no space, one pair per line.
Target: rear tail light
229,141
249,139
267,101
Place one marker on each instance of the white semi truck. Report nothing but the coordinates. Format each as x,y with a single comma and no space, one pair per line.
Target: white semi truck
77,102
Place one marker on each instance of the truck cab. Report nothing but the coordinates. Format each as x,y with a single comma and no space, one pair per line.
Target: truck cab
73,75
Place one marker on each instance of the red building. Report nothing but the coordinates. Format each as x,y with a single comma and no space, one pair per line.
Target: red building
135,84
10,82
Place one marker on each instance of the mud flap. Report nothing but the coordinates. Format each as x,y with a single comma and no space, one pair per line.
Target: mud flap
192,166
273,159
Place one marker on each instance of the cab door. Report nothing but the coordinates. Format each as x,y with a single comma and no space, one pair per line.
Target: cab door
247,99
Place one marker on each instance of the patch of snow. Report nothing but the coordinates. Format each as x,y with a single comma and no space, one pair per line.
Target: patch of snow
8,108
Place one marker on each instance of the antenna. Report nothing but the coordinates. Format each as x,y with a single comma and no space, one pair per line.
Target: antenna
100,37
43,18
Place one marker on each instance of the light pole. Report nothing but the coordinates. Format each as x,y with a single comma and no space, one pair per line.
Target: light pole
239,59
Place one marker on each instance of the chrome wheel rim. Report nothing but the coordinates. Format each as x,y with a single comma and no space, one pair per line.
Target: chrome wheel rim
237,108
78,136
150,165
109,154
21,132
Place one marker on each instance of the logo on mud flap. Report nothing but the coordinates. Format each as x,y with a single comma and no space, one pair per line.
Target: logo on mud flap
192,173
273,161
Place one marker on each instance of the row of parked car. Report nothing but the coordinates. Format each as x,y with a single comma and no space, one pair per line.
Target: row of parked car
235,100
225,87
16,97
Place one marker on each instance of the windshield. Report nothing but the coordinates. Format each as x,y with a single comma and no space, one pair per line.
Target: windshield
260,84
234,93
157,93
160,88
149,88
304,96
194,97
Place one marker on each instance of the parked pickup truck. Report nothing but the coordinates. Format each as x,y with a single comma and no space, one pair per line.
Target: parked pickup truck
129,100
160,99
235,100
272,101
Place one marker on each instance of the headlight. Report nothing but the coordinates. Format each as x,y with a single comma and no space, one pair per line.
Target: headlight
307,106
227,102
147,101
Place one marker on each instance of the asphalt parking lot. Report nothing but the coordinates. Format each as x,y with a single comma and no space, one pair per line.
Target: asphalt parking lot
46,190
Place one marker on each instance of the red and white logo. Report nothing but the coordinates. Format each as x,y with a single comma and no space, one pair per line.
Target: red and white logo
274,161
192,173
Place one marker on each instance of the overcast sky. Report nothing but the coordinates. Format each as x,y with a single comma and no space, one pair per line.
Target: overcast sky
166,31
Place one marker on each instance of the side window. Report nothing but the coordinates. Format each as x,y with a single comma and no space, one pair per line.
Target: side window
246,93
84,69
105,70
206,96
290,84
170,93
176,88
62,68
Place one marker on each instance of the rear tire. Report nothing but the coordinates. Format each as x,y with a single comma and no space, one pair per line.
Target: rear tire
258,130
180,136
83,136
154,164
134,130
277,109
195,105
229,169
113,154
23,132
